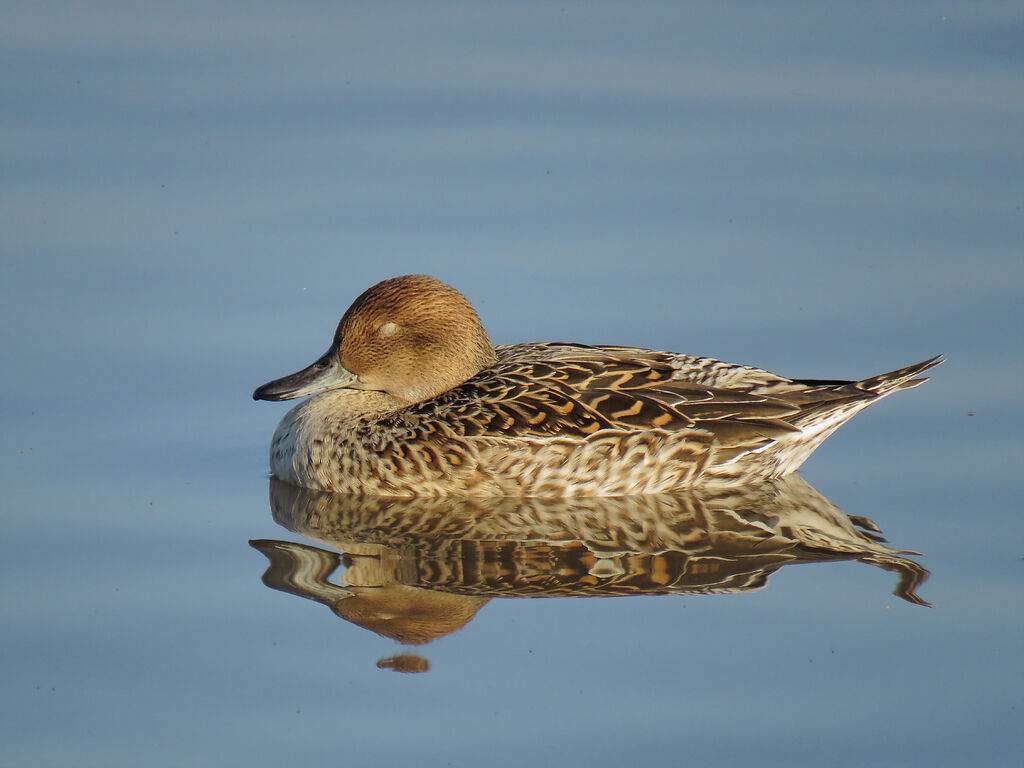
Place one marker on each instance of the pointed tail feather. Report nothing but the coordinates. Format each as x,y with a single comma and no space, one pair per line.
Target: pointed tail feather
904,378
882,384
827,405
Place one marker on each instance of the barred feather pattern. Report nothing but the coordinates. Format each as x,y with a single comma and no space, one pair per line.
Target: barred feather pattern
551,419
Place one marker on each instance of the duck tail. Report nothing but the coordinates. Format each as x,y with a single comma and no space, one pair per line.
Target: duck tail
827,405
876,386
904,378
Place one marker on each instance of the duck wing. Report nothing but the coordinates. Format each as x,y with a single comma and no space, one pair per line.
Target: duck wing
565,390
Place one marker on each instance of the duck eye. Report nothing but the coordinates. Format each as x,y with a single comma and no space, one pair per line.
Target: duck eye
388,329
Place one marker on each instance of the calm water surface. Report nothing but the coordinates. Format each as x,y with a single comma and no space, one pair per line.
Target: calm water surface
192,195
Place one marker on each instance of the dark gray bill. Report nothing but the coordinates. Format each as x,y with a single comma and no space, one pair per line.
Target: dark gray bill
326,373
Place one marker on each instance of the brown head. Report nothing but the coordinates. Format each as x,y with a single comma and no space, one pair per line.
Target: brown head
413,337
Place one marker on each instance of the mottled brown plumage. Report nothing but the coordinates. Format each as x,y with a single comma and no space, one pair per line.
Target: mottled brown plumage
413,400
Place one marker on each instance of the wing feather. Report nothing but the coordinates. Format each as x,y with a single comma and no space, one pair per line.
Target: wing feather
566,390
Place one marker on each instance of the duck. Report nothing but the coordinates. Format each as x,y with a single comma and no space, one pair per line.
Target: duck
413,399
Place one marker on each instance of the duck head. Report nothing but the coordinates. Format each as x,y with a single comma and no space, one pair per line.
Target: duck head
412,337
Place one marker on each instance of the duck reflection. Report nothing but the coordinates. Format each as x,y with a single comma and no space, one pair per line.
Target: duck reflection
417,569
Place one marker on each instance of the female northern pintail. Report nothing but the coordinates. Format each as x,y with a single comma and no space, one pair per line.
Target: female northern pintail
412,399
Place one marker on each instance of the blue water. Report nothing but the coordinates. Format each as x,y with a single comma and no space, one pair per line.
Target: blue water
191,195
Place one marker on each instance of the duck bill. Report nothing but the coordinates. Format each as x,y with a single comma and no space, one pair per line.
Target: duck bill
326,373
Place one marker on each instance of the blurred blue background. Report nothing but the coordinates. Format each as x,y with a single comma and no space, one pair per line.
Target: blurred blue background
192,193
